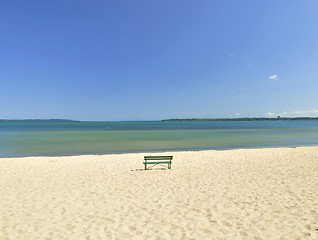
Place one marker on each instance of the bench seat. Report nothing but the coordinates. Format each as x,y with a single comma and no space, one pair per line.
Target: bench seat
155,162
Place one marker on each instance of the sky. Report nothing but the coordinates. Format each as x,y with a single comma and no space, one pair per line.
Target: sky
151,60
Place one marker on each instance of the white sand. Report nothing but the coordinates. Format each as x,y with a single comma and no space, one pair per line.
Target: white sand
235,194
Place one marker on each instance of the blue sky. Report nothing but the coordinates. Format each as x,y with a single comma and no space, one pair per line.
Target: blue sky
152,60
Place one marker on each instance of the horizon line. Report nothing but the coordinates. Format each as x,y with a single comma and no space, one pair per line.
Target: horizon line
168,119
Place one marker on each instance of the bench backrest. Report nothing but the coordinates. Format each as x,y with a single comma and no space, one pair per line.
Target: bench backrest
156,158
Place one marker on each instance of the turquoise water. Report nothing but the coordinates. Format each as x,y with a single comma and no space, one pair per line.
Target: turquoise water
73,138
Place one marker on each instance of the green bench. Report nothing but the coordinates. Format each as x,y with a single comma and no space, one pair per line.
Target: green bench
157,160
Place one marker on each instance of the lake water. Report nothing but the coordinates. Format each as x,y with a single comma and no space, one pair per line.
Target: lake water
74,138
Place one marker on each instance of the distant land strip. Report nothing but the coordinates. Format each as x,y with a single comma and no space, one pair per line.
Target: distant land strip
37,120
176,119
241,119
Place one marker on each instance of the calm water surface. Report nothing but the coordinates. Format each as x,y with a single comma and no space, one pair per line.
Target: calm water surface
73,138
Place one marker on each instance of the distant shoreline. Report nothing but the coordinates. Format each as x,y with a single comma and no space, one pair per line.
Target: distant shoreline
172,119
241,119
37,120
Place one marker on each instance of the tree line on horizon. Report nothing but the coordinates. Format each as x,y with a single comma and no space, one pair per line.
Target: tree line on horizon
242,119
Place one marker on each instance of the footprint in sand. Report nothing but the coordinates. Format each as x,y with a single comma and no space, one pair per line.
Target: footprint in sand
226,224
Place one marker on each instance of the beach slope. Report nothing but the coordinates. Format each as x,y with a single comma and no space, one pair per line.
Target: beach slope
233,194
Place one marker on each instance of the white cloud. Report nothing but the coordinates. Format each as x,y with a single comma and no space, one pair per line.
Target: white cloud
231,54
273,77
306,113
270,114
234,115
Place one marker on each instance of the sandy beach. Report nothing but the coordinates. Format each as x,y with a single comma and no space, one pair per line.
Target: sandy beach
232,194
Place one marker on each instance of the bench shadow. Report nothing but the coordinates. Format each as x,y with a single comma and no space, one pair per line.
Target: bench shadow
154,169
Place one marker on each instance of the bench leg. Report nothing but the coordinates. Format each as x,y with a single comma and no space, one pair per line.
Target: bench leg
145,166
